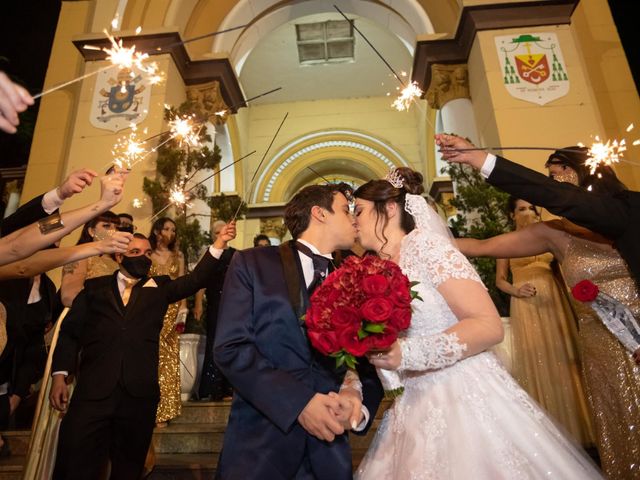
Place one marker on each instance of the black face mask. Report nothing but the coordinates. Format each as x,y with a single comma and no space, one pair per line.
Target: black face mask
125,228
137,266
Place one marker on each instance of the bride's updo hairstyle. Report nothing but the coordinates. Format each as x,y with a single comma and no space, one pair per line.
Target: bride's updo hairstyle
382,191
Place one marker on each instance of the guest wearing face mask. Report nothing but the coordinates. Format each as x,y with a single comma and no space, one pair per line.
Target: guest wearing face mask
544,334
114,323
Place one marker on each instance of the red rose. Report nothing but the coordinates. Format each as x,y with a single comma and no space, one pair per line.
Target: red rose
382,341
374,285
345,317
585,291
401,318
349,341
180,327
325,342
400,293
377,309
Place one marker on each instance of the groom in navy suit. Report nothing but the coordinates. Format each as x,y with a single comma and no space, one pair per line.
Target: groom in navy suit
291,407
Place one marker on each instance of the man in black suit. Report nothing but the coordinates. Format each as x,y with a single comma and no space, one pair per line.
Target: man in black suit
615,214
114,324
283,421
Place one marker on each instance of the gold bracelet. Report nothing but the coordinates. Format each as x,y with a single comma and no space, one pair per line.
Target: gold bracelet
50,224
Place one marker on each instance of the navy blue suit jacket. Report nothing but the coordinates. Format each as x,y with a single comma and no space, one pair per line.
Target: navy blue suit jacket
263,351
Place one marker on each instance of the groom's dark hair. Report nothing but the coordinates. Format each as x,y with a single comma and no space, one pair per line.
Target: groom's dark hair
297,213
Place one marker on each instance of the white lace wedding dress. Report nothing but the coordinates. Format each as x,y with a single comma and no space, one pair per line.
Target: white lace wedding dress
461,419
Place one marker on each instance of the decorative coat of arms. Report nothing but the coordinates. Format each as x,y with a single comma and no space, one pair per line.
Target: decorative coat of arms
533,68
120,98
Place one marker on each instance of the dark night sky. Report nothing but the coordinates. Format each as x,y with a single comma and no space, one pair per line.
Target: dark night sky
27,28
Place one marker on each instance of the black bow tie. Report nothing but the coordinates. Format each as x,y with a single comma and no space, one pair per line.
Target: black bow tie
320,266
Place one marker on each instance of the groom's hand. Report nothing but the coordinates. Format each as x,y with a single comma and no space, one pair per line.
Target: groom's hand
318,419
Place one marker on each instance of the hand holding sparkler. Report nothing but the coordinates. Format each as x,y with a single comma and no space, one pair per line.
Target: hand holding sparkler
458,150
112,188
13,99
227,233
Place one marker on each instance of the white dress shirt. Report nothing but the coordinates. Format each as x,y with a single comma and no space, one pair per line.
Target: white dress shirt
488,165
51,201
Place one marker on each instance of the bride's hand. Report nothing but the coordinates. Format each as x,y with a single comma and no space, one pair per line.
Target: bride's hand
388,360
350,413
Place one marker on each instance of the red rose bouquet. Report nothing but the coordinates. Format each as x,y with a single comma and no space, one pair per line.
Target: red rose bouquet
359,308
616,316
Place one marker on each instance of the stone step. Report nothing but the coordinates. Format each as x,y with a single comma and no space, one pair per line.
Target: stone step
203,412
184,466
216,412
189,438
18,441
208,438
200,466
11,467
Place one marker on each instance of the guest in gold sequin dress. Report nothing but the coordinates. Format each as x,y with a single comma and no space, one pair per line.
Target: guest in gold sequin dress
74,274
611,377
544,335
168,260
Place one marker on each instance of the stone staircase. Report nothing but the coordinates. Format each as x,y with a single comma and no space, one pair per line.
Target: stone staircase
186,449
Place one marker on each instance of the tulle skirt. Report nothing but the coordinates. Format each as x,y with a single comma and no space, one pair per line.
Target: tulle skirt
470,420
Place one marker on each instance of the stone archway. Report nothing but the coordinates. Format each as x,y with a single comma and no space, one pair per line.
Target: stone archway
348,155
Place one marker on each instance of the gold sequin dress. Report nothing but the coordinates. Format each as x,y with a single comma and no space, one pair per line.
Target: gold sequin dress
170,405
611,378
545,347
100,266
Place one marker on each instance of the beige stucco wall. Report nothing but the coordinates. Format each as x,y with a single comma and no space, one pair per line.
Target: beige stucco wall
602,99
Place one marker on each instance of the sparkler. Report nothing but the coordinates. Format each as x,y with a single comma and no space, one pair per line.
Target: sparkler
409,93
122,57
186,131
605,153
222,113
178,196
252,184
599,153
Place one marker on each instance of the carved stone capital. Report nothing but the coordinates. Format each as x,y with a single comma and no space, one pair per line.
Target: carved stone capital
448,82
208,101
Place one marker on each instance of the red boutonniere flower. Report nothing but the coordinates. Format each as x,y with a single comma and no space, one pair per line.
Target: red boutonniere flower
585,291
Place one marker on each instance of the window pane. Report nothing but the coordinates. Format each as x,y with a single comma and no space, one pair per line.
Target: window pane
311,51
310,31
340,49
338,29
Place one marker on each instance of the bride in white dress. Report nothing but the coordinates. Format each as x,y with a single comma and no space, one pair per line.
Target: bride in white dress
461,416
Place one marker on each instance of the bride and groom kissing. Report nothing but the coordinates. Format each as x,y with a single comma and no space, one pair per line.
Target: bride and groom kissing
461,415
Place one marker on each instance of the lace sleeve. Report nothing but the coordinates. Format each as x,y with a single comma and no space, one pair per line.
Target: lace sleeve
438,262
431,353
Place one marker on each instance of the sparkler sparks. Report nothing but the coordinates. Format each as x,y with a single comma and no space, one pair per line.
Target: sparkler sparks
184,129
137,203
408,95
128,150
605,153
608,153
178,196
